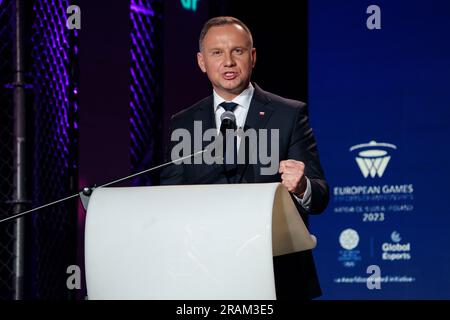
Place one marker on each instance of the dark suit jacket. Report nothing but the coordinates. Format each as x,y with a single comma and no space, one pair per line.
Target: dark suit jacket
295,274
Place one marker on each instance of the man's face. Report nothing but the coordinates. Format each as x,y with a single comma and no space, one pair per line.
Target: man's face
227,57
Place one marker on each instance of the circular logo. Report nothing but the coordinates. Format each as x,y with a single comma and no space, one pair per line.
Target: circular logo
395,237
349,239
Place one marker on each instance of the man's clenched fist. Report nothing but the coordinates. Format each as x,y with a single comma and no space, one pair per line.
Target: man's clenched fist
292,176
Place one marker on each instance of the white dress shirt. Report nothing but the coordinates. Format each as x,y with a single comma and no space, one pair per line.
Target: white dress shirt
243,105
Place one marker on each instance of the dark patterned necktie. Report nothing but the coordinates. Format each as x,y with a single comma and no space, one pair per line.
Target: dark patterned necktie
230,166
229,106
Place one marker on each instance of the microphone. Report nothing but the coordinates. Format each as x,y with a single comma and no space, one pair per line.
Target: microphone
228,122
230,143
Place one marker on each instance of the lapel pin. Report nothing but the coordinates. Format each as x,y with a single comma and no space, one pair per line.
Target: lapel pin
262,113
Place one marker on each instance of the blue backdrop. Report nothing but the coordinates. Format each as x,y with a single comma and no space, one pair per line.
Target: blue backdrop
380,108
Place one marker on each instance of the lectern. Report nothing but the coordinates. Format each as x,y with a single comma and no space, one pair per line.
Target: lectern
191,242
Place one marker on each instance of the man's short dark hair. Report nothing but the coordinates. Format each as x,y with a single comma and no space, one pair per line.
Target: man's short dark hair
221,21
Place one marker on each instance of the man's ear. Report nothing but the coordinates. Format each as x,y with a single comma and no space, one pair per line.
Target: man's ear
201,61
253,57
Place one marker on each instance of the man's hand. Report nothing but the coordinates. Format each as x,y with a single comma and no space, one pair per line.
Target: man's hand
292,176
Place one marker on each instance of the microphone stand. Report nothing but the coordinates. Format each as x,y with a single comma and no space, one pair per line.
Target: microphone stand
86,192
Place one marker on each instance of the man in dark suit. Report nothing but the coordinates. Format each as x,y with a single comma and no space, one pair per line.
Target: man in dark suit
227,57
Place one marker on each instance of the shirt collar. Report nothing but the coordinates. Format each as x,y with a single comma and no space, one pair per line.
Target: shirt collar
243,100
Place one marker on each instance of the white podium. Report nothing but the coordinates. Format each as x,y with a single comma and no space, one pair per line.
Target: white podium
193,242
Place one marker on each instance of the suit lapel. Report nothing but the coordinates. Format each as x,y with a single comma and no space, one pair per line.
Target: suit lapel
259,111
205,114
257,117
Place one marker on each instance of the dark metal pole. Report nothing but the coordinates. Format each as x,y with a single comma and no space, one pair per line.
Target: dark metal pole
19,196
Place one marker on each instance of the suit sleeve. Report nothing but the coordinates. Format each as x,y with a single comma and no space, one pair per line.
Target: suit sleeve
303,147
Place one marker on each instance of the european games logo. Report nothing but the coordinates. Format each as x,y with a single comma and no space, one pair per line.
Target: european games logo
373,157
349,240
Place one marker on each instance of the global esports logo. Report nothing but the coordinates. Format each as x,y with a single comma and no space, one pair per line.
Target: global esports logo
373,157
395,237
395,250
